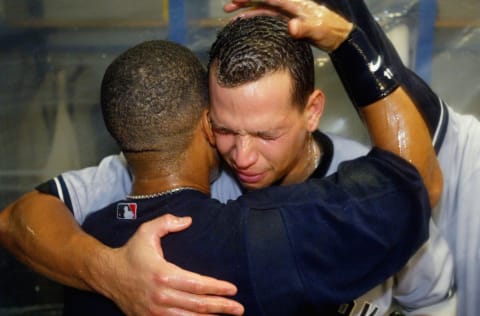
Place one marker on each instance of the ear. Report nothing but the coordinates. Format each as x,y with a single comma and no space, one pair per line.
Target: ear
314,109
207,128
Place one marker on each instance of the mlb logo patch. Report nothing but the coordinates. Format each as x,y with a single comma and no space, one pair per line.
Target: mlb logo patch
127,210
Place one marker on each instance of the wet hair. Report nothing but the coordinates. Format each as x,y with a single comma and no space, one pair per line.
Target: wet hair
248,49
152,97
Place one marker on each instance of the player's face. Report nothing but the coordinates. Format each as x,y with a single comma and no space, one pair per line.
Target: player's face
259,132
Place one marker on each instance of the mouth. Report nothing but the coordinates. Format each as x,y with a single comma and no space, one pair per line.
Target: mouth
249,178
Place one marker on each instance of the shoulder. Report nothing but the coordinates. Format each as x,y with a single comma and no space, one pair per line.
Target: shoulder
345,149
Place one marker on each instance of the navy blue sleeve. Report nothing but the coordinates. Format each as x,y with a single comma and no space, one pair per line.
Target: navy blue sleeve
328,241
429,104
56,187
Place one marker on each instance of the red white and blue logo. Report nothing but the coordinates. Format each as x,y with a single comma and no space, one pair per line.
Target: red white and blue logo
127,210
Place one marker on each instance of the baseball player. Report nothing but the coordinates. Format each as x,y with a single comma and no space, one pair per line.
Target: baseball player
434,261
456,138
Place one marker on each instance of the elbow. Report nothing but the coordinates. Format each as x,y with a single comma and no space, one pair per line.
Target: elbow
5,227
13,230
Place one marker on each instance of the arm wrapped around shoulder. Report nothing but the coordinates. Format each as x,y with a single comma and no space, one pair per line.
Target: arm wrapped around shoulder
327,241
362,70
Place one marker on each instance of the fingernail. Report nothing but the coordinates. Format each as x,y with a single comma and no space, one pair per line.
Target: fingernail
238,310
181,220
185,218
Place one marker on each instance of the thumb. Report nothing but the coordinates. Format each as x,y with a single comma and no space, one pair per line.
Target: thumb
295,28
168,223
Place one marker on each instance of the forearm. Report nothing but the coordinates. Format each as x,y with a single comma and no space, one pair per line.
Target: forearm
392,118
422,95
57,248
369,74
395,124
41,232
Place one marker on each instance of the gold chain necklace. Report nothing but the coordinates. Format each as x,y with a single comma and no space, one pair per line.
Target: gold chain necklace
314,151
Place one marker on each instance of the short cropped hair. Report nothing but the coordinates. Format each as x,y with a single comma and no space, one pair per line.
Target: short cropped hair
247,49
152,97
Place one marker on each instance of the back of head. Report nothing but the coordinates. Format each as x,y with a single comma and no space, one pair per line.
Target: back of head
248,49
153,96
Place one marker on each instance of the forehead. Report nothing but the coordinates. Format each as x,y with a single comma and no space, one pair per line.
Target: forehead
259,105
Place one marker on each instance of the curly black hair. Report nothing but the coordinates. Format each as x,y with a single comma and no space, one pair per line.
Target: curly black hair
152,97
247,49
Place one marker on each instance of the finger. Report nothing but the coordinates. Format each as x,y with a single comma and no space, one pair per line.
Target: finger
237,5
186,281
256,12
172,311
178,312
247,2
166,224
203,304
295,28
270,8
292,7
231,7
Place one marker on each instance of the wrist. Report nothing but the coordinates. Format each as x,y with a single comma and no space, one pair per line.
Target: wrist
325,28
97,268
342,33
362,70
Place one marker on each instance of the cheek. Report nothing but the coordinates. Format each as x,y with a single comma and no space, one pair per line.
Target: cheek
276,152
224,143
287,150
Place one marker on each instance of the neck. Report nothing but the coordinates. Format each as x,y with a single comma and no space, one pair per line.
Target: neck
152,174
307,163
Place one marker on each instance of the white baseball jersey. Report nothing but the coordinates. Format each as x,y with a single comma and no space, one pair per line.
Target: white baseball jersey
458,213
426,281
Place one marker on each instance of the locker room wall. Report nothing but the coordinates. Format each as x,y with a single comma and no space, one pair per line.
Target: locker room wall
53,54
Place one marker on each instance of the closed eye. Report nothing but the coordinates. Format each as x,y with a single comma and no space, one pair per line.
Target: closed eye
266,136
223,131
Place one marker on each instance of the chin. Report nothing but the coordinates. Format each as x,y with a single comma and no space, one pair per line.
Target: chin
255,186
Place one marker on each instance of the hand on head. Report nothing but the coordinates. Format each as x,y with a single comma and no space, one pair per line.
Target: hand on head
307,19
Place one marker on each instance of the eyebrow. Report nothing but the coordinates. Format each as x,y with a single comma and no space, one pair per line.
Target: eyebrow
216,125
268,133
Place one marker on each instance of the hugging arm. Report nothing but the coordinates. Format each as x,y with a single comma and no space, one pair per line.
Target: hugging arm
42,233
429,104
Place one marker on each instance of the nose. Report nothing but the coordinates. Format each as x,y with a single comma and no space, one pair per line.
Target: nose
244,154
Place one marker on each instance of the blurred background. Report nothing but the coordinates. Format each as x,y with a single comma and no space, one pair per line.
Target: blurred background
53,54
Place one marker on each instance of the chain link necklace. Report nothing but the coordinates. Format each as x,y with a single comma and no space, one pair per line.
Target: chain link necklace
314,151
158,194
